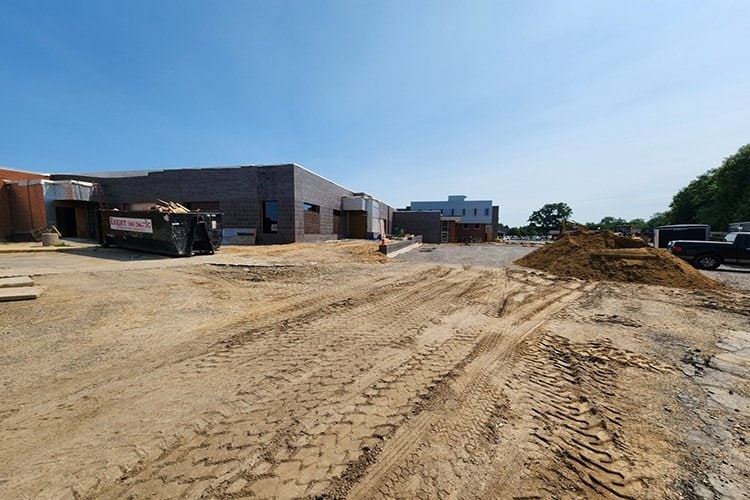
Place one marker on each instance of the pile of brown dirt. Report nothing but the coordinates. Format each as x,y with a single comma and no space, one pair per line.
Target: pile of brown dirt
604,256
330,252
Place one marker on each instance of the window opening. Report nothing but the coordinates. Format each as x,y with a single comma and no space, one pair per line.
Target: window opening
270,217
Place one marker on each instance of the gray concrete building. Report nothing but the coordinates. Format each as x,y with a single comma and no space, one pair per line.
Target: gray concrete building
277,203
453,220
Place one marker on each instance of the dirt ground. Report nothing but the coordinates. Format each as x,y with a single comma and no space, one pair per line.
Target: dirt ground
329,371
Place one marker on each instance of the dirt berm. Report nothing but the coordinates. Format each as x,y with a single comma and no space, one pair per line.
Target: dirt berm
605,256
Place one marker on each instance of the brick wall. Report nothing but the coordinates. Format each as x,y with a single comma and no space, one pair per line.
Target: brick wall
25,209
6,224
470,233
17,175
21,207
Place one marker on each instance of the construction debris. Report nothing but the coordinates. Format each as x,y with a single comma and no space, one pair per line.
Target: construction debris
170,207
18,288
15,281
20,293
605,256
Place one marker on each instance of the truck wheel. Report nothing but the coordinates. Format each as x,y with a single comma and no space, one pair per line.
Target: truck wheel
709,262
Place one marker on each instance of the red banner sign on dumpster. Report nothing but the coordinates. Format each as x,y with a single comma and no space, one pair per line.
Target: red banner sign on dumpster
132,225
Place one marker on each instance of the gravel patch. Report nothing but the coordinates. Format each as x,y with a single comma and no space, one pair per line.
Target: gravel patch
503,255
479,254
734,276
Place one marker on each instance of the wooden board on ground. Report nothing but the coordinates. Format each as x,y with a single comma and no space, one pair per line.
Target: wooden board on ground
20,293
15,282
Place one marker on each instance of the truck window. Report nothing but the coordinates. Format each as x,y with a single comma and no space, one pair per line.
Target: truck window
730,237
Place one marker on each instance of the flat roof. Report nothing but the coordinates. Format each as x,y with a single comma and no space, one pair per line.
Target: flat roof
682,226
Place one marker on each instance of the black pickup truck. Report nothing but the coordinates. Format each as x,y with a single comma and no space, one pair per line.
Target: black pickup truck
735,249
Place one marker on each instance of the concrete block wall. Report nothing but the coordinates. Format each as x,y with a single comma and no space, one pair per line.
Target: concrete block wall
313,189
229,186
276,183
241,192
425,223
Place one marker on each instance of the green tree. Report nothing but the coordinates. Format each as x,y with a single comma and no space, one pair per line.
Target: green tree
733,188
696,202
550,215
659,219
611,222
718,197
531,230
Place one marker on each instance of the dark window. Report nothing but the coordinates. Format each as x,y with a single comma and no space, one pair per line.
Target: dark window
336,213
475,211
270,217
463,211
476,226
486,211
453,212
309,207
466,226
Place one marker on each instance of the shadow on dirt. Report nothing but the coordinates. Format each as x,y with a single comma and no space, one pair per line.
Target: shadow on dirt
115,254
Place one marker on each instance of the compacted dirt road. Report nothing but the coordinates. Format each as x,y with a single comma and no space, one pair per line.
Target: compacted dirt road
324,371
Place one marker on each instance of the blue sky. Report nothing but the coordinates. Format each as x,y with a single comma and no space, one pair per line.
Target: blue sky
609,106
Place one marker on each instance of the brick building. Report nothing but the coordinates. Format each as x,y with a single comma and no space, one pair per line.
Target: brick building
31,202
453,220
21,203
277,203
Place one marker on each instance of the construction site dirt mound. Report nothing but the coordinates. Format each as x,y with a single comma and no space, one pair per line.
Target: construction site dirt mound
331,252
605,256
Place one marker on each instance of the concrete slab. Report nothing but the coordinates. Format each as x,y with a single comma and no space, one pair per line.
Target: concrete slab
402,250
393,247
15,282
20,293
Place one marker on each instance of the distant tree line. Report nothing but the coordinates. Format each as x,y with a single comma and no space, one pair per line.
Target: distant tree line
718,197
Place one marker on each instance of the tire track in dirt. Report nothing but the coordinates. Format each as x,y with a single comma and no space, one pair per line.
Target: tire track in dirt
441,451
162,443
415,304
570,425
294,306
567,389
